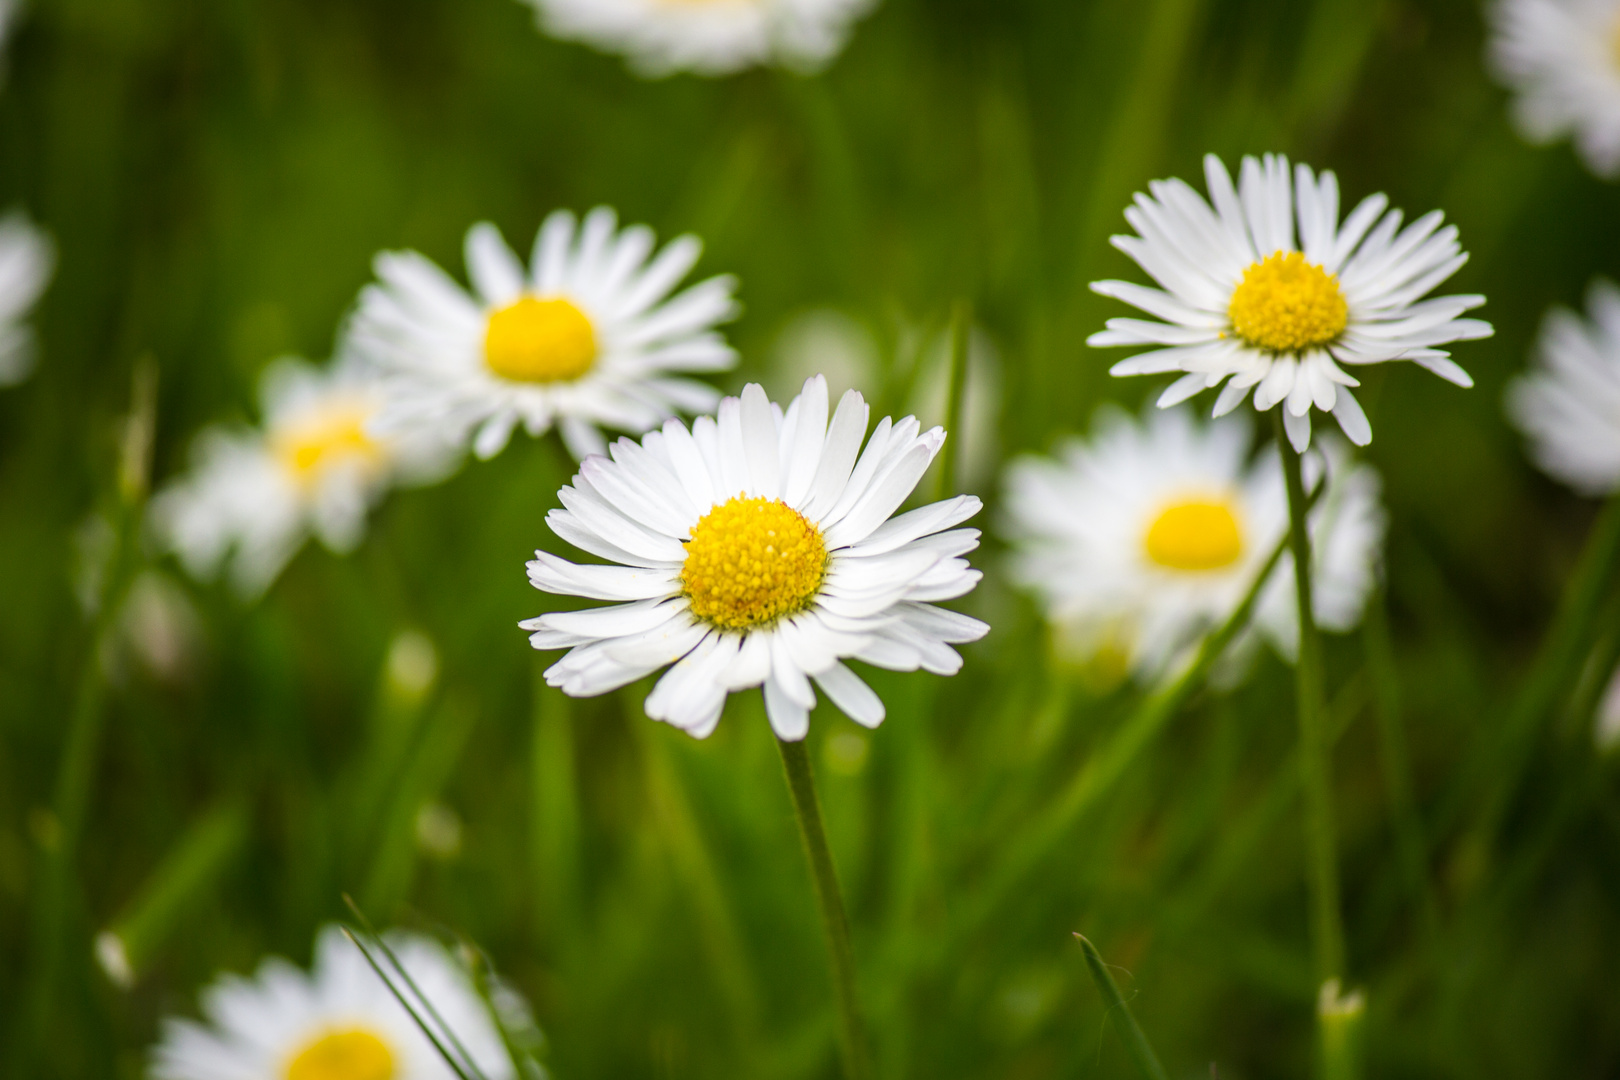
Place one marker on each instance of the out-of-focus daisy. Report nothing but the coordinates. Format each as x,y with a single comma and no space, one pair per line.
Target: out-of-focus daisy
1244,300
253,496
708,37
759,549
27,257
1562,58
1148,534
586,337
1569,406
339,1022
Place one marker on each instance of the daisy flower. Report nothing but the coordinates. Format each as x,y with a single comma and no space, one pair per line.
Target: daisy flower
758,549
708,37
1243,300
1562,58
253,496
27,258
339,1022
587,336
1147,535
1569,407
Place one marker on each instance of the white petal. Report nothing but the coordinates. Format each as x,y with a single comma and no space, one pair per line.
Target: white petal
853,697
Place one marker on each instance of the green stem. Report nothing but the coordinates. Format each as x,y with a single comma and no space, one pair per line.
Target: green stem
1316,775
1136,1043
955,396
807,806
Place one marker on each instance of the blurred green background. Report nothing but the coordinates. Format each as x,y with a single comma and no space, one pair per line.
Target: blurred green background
218,174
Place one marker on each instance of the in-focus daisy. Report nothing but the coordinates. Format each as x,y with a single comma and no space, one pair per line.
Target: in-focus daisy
1562,57
708,37
1569,406
254,495
27,257
1147,535
586,337
339,1022
1243,300
758,549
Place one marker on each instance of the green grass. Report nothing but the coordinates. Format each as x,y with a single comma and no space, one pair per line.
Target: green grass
218,174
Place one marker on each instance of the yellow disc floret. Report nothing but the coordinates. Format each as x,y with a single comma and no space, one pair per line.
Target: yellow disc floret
1287,305
326,437
344,1055
540,341
752,561
1198,534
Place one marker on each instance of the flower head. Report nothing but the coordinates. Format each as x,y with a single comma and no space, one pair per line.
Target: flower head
1244,301
339,1022
708,37
27,257
1569,406
254,495
1562,57
586,337
758,549
1150,533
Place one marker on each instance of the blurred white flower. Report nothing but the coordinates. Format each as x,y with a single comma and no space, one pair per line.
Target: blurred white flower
1145,536
585,338
1242,299
759,549
1606,728
253,496
1562,58
339,1022
27,258
159,631
708,37
1569,404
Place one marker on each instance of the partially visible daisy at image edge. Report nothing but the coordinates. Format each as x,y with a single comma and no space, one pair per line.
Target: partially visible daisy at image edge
254,495
706,37
586,337
1149,533
1245,303
27,258
1562,60
340,1021
759,549
1568,405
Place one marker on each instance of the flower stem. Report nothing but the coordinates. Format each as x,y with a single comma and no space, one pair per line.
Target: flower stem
807,806
1316,775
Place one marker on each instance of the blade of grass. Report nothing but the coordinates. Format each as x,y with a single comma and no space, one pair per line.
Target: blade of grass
1136,1043
955,397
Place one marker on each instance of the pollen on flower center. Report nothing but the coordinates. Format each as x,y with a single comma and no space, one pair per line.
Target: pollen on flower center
310,446
540,341
1198,534
752,561
355,1054
1285,304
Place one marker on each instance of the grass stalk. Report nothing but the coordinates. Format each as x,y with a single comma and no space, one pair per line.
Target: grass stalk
1322,872
834,921
955,399
1136,1043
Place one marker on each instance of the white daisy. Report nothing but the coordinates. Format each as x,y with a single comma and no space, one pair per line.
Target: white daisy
709,37
1147,535
27,258
1562,57
585,337
1243,300
758,549
339,1022
253,496
1570,405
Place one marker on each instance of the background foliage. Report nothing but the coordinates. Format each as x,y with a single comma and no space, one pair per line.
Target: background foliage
218,174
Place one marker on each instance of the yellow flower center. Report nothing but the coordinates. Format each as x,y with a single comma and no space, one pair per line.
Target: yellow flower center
752,561
540,341
1285,304
1198,534
328,437
343,1055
